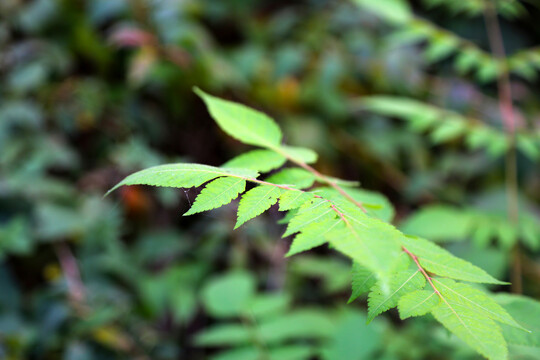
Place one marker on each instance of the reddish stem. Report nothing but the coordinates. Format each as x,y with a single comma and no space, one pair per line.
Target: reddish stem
331,183
506,108
426,275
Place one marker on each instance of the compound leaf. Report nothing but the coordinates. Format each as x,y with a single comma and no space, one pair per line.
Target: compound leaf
291,199
417,303
313,236
362,281
439,261
181,175
476,300
369,241
311,213
256,201
216,194
381,299
471,326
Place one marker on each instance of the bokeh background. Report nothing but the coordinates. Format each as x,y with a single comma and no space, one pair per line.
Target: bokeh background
91,91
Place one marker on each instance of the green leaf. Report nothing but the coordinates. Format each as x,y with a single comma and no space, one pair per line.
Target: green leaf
467,60
312,212
242,123
290,199
16,237
498,144
291,352
529,147
341,182
313,236
362,281
255,202
479,137
439,261
376,204
333,272
293,177
399,107
299,154
288,217
56,222
223,334
393,11
447,130
286,352
417,303
488,70
181,175
527,312
243,353
439,223
269,305
257,160
483,232
409,35
440,47
507,234
381,299
229,295
474,299
530,233
216,194
183,303
345,344
370,242
471,326
299,324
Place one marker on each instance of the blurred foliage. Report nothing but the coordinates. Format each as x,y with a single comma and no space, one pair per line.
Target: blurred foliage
93,90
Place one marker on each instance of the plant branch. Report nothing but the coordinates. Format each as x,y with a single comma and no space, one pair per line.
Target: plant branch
322,178
430,281
422,270
506,108
348,224
332,184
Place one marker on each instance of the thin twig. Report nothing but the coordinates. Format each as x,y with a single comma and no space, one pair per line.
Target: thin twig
321,178
422,270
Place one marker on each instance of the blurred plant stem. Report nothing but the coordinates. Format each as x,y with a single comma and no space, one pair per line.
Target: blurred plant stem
111,335
71,272
506,108
250,323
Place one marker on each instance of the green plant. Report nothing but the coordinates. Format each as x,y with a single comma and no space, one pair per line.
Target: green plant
504,133
266,326
410,273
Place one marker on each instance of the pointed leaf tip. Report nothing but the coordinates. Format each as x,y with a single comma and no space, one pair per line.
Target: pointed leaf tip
243,123
197,90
